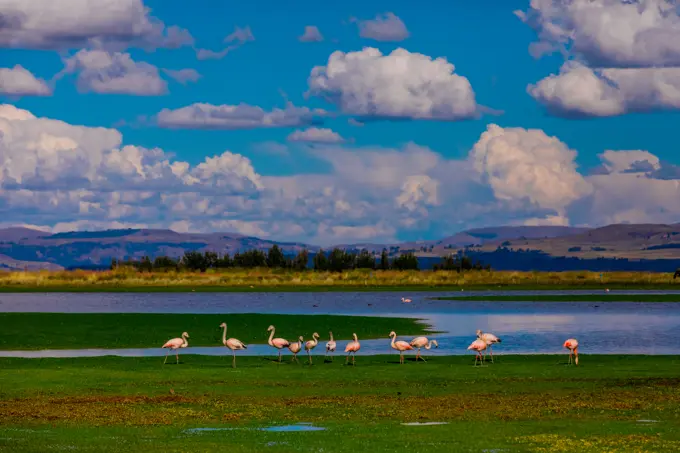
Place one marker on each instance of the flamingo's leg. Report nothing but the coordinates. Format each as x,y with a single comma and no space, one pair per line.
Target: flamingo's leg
279,355
491,353
177,356
233,362
166,357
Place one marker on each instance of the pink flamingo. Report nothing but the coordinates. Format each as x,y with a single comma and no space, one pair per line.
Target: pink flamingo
400,346
232,344
572,345
295,348
311,344
352,348
278,343
478,345
489,339
175,344
423,342
330,346
405,301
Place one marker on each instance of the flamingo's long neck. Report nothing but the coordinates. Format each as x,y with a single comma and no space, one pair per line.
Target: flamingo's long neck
355,337
224,334
271,336
428,345
186,343
331,336
394,337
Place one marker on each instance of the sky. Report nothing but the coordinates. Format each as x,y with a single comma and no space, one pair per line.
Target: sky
361,122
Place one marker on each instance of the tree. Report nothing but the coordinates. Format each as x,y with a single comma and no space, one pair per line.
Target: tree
301,260
210,259
224,262
194,261
339,260
275,257
365,260
384,260
164,263
320,261
145,264
405,261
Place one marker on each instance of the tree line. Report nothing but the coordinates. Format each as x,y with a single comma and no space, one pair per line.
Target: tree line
335,260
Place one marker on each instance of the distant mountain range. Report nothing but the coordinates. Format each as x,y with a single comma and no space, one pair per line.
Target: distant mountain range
24,248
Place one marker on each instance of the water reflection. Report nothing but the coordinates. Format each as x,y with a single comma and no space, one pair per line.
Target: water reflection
525,327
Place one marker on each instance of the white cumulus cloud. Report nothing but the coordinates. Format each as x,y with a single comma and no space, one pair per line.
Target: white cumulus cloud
399,85
18,81
311,34
114,73
315,135
241,116
580,90
70,24
385,27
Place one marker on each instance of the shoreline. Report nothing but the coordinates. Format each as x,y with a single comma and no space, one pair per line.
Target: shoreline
96,288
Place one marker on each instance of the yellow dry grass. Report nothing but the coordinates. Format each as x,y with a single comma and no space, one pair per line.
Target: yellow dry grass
264,278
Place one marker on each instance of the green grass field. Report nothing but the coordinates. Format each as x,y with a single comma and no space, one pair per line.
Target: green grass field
520,403
568,298
30,331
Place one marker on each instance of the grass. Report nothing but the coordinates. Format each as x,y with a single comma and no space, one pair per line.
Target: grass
568,298
31,331
520,403
357,280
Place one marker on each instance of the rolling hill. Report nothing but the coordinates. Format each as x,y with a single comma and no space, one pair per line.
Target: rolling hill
25,248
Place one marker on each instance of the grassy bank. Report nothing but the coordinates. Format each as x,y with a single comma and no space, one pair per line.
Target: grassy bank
521,403
356,280
31,331
569,298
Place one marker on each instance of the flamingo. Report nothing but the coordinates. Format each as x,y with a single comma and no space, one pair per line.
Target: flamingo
489,339
405,301
572,345
175,344
232,344
352,348
330,346
311,344
278,343
423,342
400,346
478,345
295,348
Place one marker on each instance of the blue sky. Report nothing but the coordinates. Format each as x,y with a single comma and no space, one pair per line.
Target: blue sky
488,44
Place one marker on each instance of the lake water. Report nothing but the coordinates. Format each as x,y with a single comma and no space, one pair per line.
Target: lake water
524,327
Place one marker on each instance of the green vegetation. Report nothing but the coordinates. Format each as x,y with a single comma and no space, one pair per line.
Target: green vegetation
264,279
520,403
29,331
569,298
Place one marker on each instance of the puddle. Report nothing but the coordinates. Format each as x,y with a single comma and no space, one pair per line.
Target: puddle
425,423
293,428
648,421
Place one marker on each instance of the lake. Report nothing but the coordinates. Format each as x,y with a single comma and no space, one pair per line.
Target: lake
524,327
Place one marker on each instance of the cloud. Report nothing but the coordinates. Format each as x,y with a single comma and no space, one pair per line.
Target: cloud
581,91
386,27
401,85
527,165
65,177
315,135
241,116
18,81
238,37
183,76
614,33
311,34
114,73
40,154
71,24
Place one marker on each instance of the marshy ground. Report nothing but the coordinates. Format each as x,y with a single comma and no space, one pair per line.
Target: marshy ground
520,403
